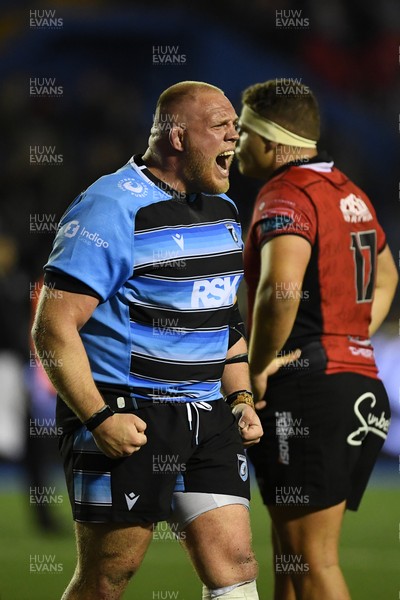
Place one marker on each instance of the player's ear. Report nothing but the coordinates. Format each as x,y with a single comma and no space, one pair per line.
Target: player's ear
176,134
268,145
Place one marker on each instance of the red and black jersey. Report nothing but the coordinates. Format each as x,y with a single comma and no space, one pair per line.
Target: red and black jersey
319,203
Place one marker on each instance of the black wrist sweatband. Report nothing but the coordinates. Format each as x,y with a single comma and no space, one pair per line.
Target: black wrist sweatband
98,417
238,359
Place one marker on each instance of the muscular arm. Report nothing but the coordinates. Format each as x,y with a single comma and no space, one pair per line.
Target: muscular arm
386,283
284,260
283,264
236,376
56,335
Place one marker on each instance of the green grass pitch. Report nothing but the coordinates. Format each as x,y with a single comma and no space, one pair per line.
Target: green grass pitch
369,554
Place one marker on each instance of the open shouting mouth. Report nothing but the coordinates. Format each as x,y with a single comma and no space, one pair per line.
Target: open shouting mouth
224,161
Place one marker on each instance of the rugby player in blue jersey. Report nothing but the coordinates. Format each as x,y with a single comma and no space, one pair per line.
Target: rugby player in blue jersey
147,338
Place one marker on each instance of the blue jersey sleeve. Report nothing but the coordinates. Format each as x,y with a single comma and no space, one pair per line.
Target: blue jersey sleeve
94,244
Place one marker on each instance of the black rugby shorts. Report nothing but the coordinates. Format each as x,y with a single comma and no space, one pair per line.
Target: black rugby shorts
200,448
322,435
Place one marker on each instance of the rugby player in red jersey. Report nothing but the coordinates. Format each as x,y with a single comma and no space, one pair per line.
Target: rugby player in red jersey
320,278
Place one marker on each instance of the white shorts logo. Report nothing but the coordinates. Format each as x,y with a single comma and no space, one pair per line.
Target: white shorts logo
242,467
131,500
373,423
211,293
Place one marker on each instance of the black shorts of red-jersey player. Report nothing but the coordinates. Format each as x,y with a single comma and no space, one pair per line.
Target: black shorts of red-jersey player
322,435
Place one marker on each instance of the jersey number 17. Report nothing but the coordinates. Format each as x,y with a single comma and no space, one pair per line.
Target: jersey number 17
363,245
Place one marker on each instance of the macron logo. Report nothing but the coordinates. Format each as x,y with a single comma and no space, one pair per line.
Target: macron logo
178,238
131,500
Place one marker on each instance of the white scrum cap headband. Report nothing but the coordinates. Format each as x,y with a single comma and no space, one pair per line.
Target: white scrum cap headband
272,131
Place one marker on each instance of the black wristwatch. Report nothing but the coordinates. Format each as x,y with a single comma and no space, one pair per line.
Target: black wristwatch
98,417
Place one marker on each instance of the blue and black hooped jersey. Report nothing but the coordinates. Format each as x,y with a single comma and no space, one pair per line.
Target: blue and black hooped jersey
166,268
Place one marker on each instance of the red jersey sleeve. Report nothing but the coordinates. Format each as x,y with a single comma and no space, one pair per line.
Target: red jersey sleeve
283,209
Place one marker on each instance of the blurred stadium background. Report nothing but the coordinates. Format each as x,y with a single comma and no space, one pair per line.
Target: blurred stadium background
79,82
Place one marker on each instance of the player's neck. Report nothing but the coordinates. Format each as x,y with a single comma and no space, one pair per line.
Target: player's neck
166,171
288,154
